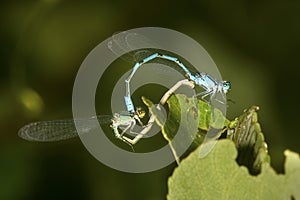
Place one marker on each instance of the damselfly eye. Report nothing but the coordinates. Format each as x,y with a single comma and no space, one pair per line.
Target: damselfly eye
226,86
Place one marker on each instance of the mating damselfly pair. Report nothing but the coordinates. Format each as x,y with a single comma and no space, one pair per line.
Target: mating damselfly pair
125,121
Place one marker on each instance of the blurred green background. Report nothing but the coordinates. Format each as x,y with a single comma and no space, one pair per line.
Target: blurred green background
255,44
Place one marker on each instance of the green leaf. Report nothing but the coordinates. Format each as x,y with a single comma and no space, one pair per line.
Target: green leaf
218,176
292,171
178,104
245,132
205,121
188,122
182,120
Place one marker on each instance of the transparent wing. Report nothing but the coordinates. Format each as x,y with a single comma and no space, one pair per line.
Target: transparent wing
125,44
138,41
55,130
119,47
134,47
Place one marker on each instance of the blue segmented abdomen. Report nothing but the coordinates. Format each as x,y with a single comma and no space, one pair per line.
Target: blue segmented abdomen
129,104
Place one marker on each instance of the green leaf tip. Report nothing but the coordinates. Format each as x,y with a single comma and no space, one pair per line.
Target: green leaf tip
147,102
246,133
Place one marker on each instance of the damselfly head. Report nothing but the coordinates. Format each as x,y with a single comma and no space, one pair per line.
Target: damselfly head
140,112
226,86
